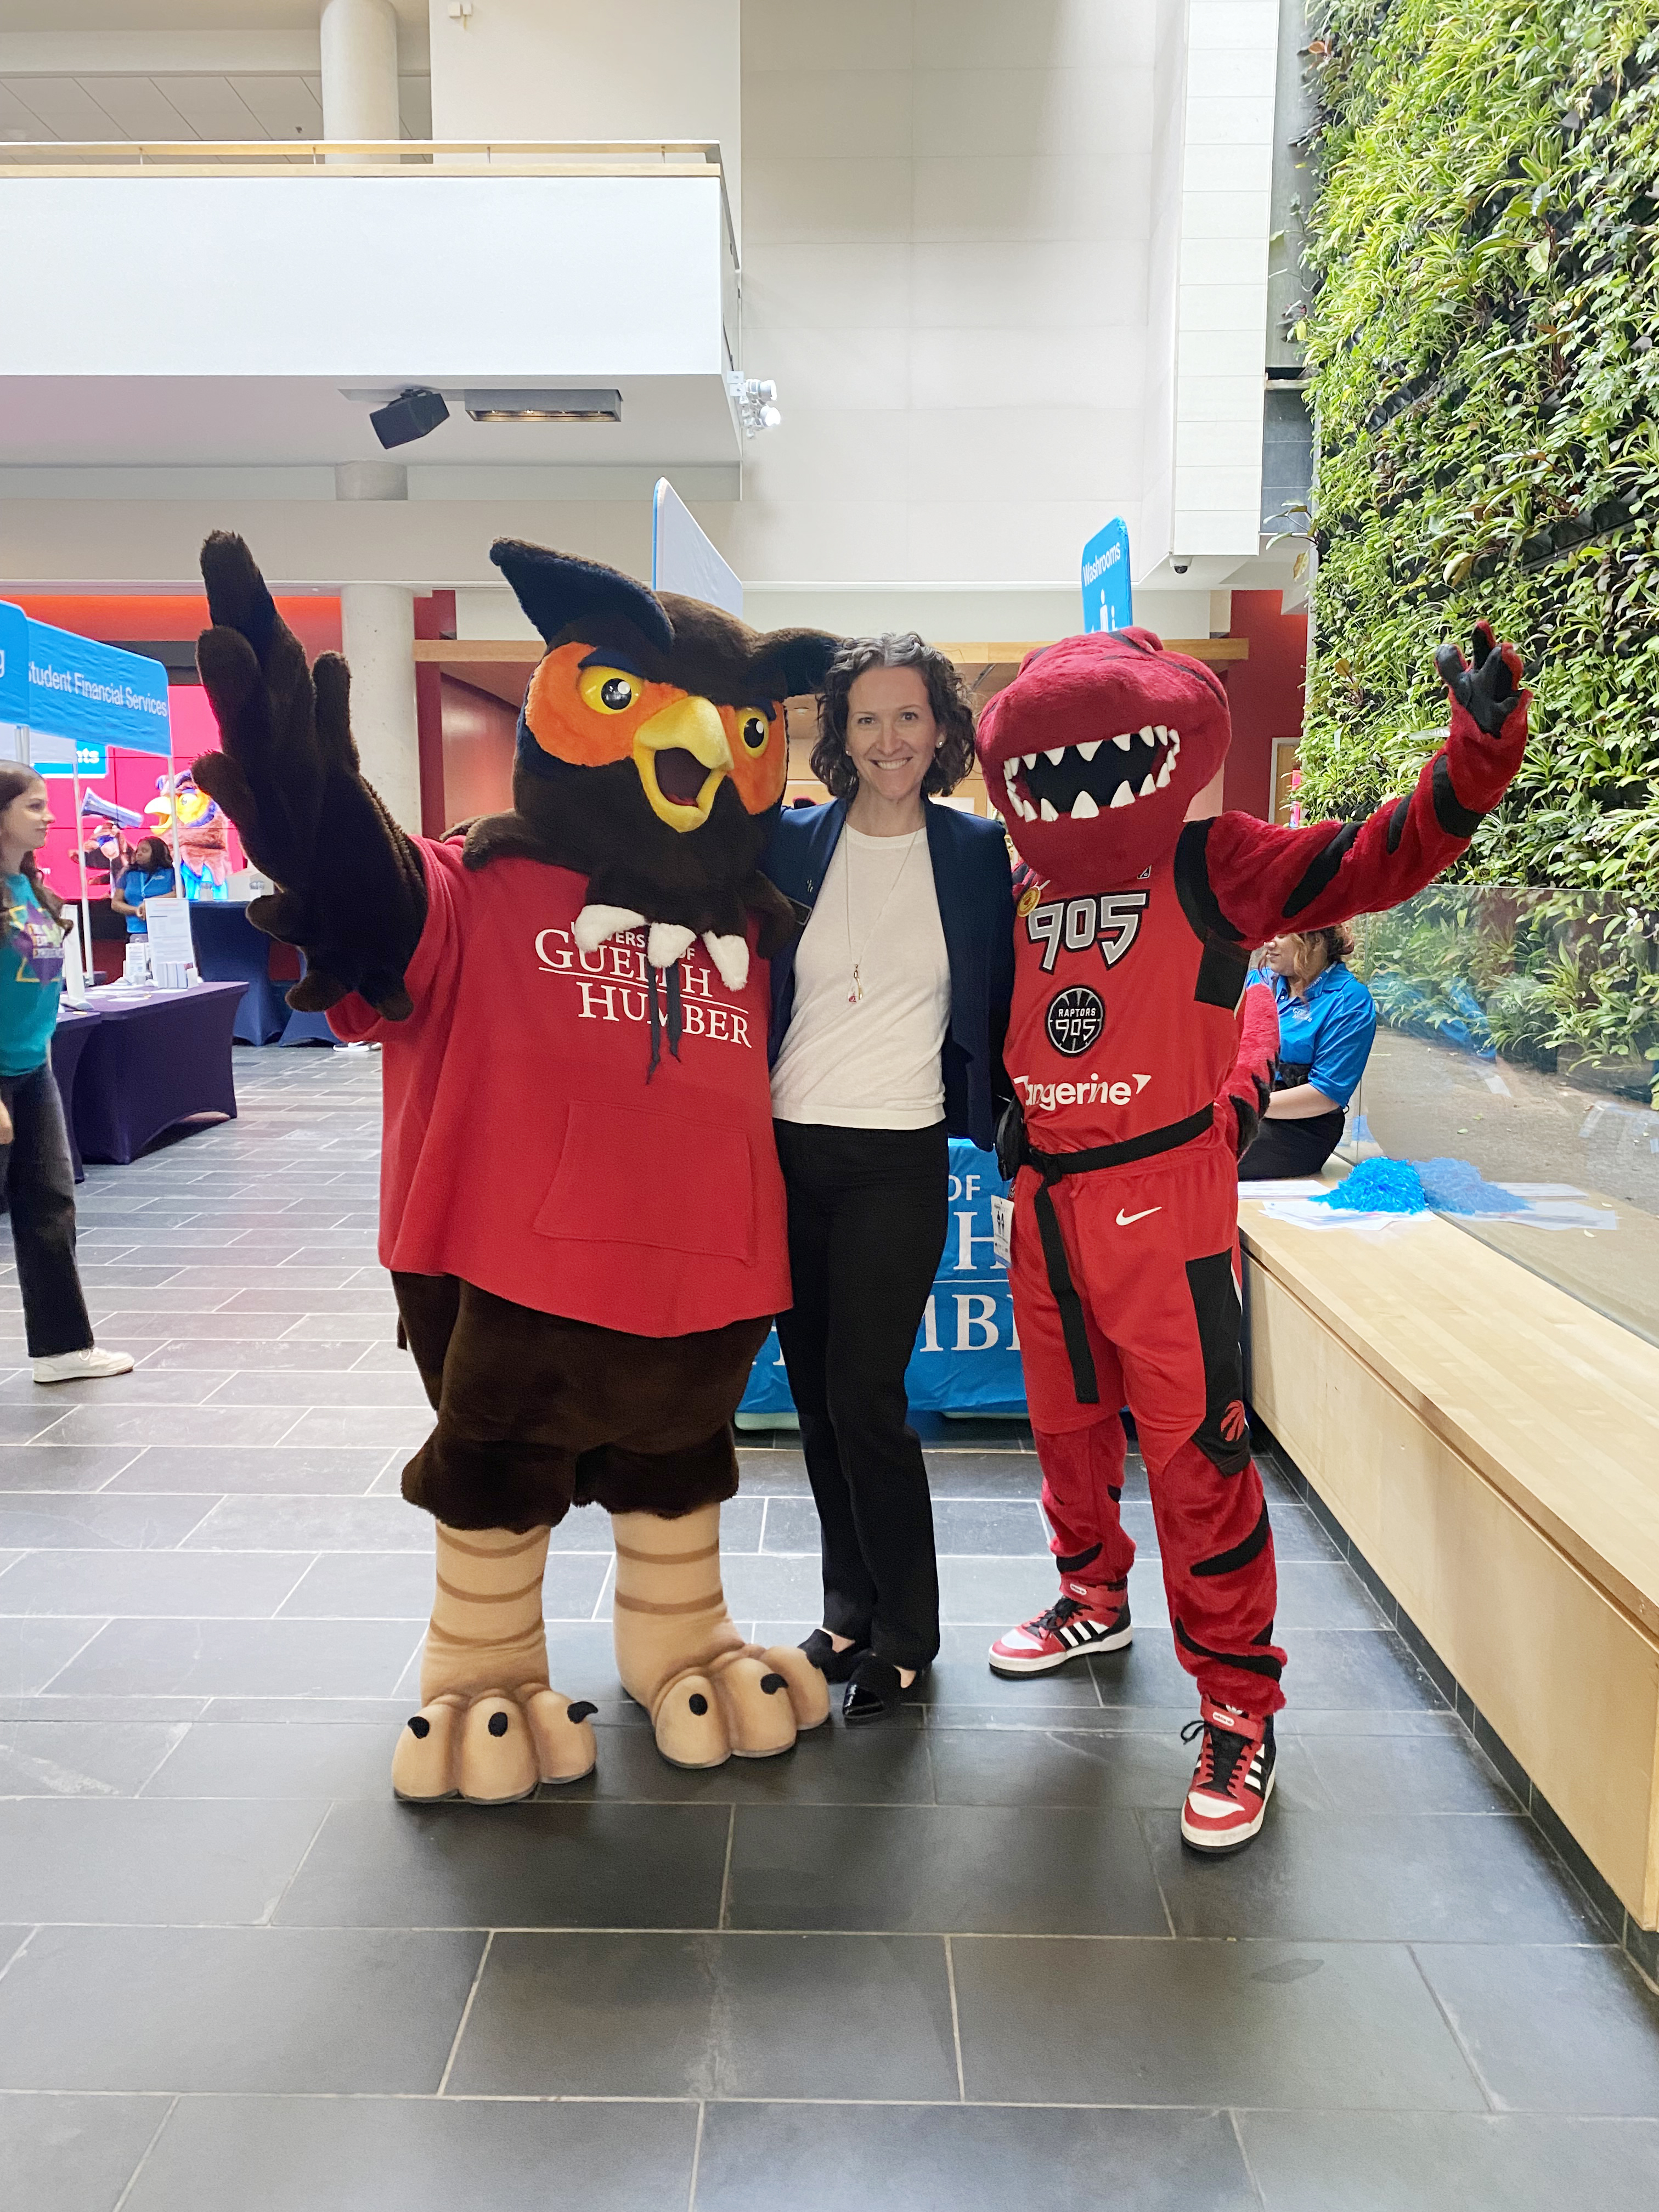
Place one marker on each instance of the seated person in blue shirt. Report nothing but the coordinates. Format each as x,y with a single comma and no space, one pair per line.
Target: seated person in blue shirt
1327,1020
150,875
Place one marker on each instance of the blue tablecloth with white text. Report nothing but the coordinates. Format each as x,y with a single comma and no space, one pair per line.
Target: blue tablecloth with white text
967,1355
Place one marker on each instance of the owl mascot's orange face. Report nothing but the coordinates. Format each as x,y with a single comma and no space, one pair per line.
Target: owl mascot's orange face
651,750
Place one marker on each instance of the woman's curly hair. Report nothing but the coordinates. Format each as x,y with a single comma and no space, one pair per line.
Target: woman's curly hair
831,762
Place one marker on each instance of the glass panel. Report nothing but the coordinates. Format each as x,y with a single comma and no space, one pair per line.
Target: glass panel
1519,1030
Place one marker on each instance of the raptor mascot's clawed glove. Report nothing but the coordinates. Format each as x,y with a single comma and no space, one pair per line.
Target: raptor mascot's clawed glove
581,1204
1138,1084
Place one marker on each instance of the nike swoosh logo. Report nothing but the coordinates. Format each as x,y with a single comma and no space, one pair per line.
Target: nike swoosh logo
1124,1219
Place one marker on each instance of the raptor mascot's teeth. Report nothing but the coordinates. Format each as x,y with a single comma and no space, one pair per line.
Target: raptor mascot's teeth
1077,783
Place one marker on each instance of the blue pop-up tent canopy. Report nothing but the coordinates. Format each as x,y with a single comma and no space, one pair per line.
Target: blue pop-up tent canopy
84,696
65,700
14,682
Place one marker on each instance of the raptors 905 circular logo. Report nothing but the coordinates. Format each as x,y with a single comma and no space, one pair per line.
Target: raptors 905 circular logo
1076,1018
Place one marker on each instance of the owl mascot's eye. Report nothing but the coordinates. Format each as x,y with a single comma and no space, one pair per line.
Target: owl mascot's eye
755,730
608,690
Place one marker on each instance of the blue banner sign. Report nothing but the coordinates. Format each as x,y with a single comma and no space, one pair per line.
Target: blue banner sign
967,1355
85,697
1108,602
14,682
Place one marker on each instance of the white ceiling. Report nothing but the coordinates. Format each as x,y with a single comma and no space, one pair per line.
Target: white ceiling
137,17
126,106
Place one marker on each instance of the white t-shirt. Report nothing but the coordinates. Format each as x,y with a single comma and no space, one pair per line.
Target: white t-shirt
869,1062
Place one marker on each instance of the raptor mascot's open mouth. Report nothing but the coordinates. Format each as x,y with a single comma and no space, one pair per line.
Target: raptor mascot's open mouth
1082,781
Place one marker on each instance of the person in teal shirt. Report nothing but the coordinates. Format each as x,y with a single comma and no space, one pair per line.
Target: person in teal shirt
34,1156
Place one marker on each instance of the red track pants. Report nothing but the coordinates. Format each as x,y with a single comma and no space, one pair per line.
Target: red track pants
1152,1253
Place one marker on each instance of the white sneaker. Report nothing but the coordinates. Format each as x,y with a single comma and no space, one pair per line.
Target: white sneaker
85,1366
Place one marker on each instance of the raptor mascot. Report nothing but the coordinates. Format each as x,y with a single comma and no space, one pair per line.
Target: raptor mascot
1131,942
581,1204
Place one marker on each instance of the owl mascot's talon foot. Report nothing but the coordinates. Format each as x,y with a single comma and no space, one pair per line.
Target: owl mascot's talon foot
690,1723
760,1718
498,1754
709,1694
563,1735
809,1693
426,1765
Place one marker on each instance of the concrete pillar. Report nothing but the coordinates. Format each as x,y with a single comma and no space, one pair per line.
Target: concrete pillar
377,623
360,70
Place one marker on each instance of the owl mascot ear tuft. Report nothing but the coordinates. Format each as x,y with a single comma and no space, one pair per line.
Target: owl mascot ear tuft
794,662
559,593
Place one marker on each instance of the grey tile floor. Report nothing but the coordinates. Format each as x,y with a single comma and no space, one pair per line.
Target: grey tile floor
960,1962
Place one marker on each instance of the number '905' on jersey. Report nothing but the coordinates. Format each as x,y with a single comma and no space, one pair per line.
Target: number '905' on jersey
1124,1005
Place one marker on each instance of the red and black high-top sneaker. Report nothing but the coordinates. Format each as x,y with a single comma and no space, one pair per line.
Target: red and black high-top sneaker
1085,1618
1232,1781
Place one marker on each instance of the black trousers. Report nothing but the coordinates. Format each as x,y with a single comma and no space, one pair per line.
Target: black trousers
39,1193
1292,1147
867,1218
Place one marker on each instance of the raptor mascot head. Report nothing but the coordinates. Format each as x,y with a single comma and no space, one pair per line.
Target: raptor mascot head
1096,751
651,748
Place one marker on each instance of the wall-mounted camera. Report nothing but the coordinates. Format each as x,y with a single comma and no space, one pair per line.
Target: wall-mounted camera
1180,563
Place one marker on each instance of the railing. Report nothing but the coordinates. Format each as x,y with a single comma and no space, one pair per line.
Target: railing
595,157
373,157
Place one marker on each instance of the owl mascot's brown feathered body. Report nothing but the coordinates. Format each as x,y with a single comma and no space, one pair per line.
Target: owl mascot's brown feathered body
580,1205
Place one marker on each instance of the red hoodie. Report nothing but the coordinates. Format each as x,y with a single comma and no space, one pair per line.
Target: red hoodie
524,1150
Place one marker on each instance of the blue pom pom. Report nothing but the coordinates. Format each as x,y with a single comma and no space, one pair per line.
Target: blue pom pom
1378,1187
1458,1187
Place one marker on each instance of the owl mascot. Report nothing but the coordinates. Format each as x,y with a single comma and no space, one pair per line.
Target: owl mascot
580,1206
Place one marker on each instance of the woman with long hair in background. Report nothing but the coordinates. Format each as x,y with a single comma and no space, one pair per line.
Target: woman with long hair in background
35,1173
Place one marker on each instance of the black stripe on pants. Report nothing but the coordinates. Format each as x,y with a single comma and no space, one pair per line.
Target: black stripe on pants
867,1218
38,1182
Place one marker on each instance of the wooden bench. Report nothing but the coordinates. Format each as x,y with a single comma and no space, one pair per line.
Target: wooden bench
1490,1447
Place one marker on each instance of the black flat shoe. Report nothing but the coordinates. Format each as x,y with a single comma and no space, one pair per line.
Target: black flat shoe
875,1690
834,1666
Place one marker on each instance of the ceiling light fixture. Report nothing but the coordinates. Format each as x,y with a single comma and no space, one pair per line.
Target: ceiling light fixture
585,406
754,399
415,413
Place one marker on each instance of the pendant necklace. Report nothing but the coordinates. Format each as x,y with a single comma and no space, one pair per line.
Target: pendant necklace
857,991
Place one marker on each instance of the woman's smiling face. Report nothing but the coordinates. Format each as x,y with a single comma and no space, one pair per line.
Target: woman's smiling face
892,734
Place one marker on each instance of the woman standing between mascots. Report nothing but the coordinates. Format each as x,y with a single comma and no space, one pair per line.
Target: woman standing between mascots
887,1017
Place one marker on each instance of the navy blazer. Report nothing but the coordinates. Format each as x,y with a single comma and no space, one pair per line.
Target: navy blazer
974,884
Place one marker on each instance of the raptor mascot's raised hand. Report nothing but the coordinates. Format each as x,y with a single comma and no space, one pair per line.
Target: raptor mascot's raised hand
1131,950
580,1203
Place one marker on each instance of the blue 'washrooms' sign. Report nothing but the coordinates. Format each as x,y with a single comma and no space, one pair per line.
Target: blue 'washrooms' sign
1108,603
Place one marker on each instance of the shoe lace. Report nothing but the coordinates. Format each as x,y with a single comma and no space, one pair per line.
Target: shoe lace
1217,1760
1062,1610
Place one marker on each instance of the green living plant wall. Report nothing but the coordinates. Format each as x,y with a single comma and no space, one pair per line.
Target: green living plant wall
1483,337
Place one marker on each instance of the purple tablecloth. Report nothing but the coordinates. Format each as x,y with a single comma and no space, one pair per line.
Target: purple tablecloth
69,1041
229,950
153,1060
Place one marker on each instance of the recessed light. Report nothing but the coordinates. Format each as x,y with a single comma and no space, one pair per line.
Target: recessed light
576,406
